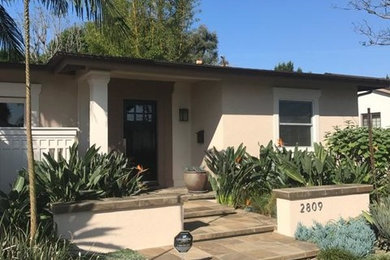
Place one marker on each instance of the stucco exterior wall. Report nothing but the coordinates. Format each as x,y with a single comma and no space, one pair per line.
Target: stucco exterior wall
181,132
161,92
337,106
206,114
58,97
378,102
247,113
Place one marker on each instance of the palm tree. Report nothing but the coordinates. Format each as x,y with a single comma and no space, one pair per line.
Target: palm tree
11,41
92,9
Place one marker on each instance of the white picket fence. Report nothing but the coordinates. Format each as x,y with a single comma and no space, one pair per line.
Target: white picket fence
13,149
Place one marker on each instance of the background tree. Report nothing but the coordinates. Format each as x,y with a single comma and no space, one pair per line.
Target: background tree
378,8
160,30
286,66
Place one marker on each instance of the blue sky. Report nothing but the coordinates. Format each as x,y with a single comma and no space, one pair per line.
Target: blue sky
313,34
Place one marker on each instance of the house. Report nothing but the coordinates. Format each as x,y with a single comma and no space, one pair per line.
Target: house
378,101
165,115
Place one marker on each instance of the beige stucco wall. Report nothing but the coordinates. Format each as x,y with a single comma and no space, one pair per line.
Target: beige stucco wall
58,97
114,230
181,132
161,92
206,114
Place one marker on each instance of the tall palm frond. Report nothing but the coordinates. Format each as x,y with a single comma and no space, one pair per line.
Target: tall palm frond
11,39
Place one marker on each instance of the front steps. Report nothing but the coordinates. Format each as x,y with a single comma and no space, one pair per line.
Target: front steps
223,233
207,220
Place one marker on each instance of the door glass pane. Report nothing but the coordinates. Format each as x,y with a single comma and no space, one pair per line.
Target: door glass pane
139,108
295,135
130,117
295,111
11,114
139,117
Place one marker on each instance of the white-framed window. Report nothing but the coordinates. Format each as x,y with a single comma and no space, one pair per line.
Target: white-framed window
12,104
375,117
296,116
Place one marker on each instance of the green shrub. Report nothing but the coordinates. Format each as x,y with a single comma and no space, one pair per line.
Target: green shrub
352,142
91,176
336,254
354,236
380,218
15,244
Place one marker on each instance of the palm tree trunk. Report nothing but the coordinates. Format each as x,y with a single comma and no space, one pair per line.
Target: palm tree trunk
30,154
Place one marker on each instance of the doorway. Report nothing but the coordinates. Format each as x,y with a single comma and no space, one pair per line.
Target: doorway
140,133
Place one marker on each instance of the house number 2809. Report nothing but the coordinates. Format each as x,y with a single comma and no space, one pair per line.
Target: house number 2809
308,207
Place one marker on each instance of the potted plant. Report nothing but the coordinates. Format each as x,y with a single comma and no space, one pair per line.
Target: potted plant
195,179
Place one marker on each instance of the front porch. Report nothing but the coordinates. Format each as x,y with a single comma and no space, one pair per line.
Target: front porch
138,115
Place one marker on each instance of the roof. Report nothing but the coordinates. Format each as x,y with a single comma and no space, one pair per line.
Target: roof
383,90
70,63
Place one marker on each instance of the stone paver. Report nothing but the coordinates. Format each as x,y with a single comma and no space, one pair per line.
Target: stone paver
227,225
270,246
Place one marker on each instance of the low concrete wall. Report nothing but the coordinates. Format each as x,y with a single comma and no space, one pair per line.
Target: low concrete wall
320,204
108,225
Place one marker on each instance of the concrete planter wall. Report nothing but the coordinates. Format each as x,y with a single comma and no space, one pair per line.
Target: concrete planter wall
112,224
320,204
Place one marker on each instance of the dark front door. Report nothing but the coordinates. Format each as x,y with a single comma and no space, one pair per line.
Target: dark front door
140,132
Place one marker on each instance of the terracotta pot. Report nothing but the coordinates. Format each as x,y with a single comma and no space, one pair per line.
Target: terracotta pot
196,181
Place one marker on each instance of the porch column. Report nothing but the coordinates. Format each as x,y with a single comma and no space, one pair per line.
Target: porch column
98,109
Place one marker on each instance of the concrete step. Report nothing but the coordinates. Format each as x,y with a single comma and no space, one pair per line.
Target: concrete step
230,225
205,208
270,246
210,195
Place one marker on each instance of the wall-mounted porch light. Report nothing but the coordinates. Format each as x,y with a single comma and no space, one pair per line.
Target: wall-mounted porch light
183,114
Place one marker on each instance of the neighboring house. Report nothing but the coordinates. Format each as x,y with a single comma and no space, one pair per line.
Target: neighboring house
379,103
165,115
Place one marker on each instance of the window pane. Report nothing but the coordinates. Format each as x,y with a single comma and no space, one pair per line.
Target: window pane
295,135
295,111
11,114
376,119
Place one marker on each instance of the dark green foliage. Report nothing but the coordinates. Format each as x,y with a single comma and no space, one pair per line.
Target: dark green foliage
307,168
11,40
15,244
232,174
287,66
380,218
238,177
91,176
354,236
158,30
351,143
336,254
